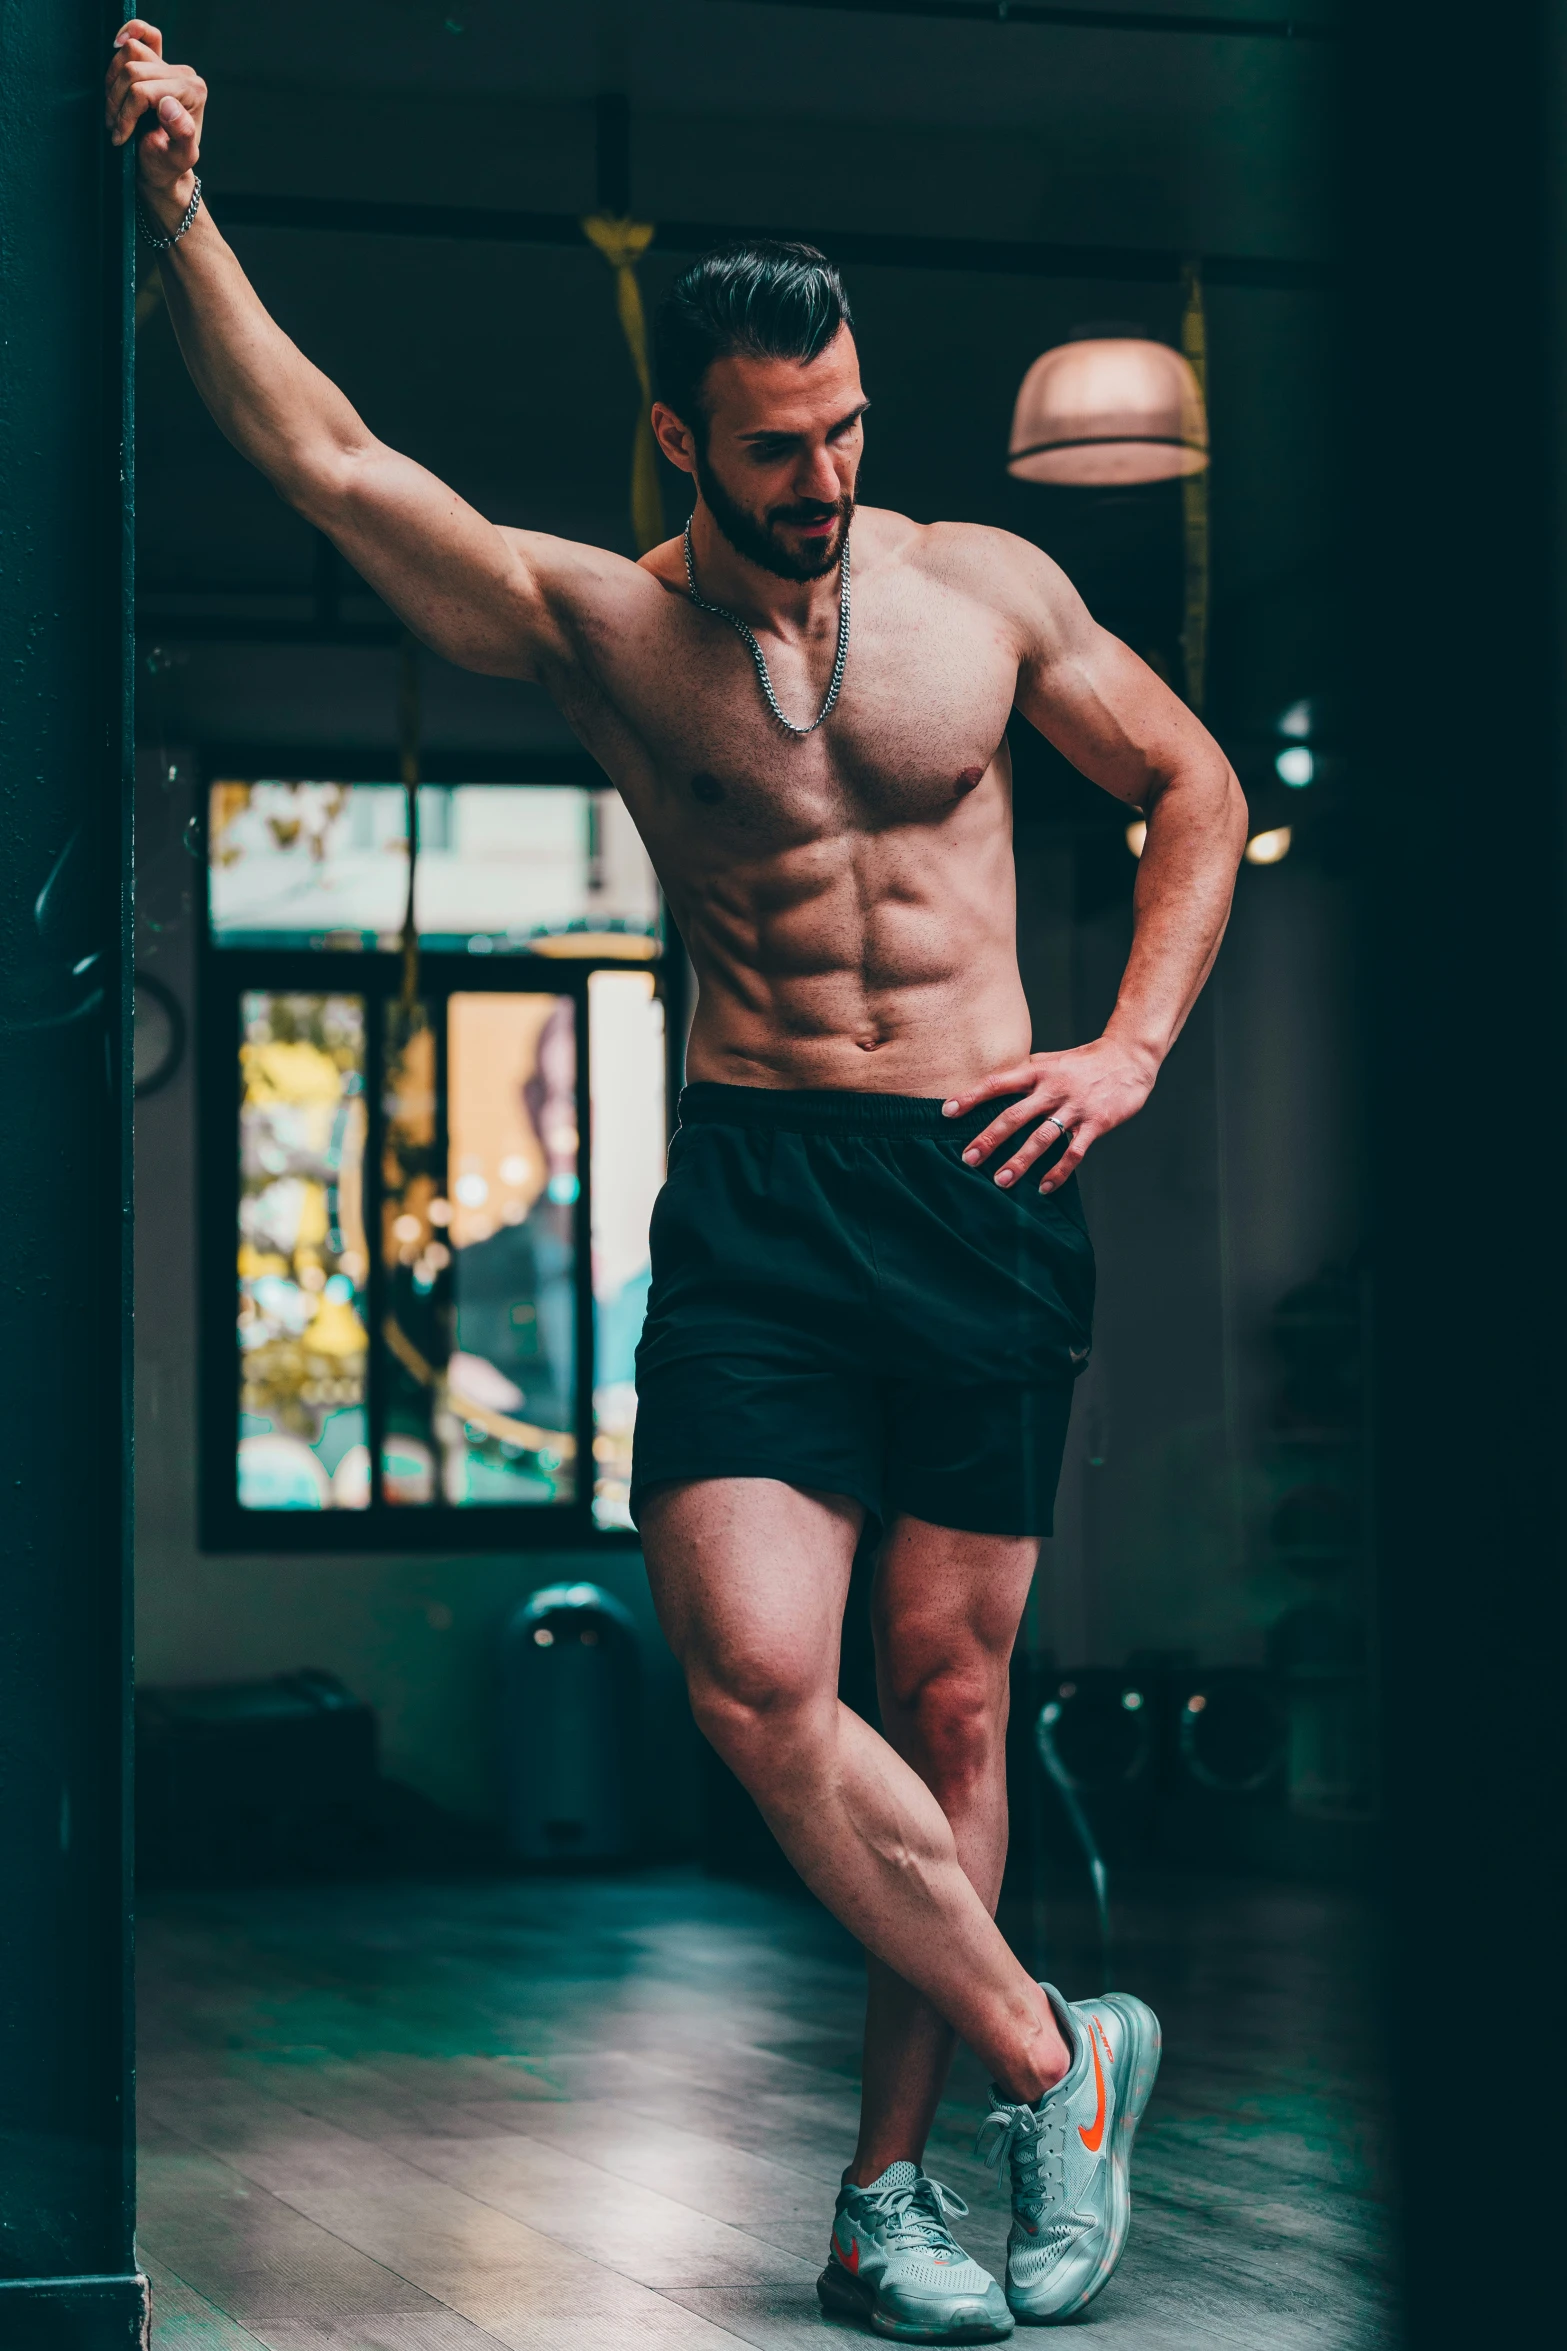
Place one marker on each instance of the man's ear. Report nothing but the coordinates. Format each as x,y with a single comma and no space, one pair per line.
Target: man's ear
676,440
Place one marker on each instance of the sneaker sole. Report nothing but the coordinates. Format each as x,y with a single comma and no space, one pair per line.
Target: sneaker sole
843,2296
1135,2070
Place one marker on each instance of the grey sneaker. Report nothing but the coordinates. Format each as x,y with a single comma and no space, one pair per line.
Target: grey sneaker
1070,2156
897,2267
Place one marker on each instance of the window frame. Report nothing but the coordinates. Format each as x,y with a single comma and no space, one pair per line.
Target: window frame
222,978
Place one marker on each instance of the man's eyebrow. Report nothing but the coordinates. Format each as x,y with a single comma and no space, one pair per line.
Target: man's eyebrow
766,433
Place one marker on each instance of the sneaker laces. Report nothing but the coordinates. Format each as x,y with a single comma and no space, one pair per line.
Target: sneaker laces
1010,2124
1018,2131
915,2211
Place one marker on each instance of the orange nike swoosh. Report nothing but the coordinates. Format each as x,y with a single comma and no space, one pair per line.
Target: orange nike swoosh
850,2257
1092,2138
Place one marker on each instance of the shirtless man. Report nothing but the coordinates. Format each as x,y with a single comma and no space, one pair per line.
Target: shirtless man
872,1285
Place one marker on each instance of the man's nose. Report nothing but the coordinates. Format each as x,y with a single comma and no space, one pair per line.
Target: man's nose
818,477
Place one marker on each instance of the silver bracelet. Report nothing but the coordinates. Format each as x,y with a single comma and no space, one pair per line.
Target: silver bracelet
162,244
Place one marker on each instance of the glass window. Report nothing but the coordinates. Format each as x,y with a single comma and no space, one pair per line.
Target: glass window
479,1248
461,1366
630,1135
550,868
303,1432
511,1379
415,1252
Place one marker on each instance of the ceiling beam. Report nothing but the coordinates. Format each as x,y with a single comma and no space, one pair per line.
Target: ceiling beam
1086,20
981,256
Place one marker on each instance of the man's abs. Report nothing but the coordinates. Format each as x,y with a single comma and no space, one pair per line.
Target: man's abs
883,962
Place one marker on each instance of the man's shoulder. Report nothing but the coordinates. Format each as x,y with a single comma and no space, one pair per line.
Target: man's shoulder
973,557
587,597
569,565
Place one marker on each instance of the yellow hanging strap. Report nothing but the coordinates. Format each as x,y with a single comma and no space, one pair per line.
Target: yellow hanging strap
623,243
1194,503
408,746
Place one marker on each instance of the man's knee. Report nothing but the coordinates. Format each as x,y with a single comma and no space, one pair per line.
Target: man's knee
961,1722
753,1707
952,1713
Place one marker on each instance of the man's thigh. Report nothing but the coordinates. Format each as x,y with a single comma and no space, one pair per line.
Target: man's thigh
749,1577
947,1603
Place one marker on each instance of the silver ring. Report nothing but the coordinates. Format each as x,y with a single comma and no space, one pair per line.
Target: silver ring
1052,1120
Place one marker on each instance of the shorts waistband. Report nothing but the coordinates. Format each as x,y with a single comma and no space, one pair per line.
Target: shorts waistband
829,1110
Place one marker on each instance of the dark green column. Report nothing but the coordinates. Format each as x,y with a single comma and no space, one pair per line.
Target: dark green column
67,2265
1455,429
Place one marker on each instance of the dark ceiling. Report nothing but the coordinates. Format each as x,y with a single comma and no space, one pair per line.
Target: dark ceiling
500,364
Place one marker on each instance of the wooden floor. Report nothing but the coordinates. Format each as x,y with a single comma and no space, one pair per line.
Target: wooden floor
577,2115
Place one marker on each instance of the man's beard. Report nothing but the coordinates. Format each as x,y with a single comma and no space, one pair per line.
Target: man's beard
755,539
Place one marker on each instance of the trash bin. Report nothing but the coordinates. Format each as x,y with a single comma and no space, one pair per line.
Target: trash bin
570,1704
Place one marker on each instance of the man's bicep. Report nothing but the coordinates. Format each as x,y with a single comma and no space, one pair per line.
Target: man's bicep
462,584
1105,710
1079,686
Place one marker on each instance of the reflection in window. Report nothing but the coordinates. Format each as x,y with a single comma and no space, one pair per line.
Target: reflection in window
550,868
480,1254
415,1252
626,1065
303,1259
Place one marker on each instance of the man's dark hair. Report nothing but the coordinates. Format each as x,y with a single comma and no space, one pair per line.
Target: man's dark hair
768,299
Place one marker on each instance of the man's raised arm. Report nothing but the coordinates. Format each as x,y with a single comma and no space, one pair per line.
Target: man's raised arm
466,587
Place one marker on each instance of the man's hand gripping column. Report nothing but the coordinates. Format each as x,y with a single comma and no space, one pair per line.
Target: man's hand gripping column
171,99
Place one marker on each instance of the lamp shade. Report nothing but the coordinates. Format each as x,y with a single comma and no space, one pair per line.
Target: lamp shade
1108,410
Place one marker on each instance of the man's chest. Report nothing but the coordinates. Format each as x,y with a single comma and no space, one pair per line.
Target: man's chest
921,712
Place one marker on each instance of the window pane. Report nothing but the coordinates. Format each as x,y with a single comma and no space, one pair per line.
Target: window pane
415,1252
506,1421
303,1261
554,868
627,1071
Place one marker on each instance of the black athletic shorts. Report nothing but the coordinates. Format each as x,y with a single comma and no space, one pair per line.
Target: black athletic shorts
838,1302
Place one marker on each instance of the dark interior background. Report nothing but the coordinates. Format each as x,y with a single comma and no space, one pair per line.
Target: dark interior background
502,367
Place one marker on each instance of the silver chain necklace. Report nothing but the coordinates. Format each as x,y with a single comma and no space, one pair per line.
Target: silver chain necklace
721,612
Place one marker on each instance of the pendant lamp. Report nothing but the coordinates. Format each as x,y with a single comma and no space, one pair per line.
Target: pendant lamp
1108,410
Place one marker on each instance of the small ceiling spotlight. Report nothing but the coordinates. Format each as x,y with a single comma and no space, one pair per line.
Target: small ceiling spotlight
1296,721
1136,835
1296,766
1270,847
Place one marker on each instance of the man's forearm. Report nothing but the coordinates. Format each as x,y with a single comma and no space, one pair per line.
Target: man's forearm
1181,904
279,411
